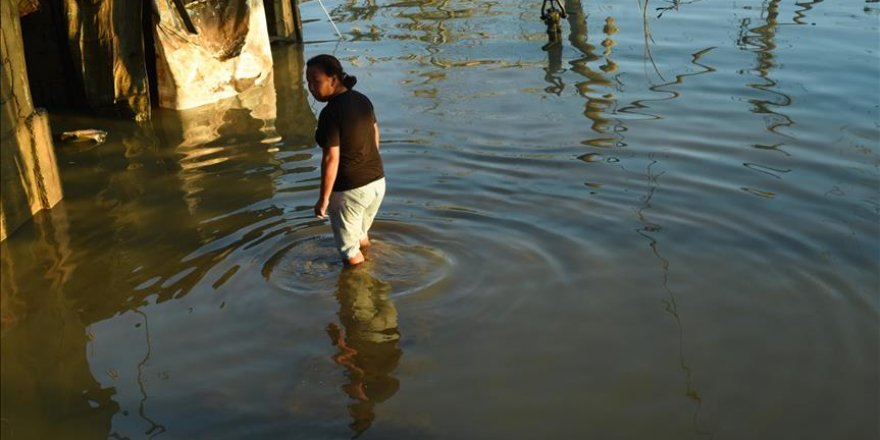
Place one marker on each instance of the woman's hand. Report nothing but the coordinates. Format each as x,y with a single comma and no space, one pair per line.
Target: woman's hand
321,208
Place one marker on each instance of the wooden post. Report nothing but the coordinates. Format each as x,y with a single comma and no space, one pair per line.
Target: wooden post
297,21
284,20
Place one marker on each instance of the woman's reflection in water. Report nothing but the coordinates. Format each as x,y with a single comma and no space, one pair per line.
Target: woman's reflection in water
367,343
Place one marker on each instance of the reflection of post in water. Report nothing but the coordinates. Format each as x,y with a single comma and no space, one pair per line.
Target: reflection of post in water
218,164
802,12
221,144
577,22
49,391
670,304
553,69
421,24
367,343
151,224
598,104
195,172
609,29
51,249
296,121
762,38
354,12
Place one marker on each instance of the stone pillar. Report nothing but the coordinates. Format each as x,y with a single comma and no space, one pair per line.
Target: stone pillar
107,48
209,50
29,180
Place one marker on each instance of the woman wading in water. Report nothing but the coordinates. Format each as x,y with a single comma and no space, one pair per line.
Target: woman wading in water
352,177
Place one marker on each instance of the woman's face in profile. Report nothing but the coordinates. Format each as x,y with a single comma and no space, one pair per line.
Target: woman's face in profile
321,86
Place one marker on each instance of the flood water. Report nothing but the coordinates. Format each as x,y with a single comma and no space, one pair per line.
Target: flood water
668,228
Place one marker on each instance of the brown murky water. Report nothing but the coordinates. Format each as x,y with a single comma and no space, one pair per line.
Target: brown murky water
665,228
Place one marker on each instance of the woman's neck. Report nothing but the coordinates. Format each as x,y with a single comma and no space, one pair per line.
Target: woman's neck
339,90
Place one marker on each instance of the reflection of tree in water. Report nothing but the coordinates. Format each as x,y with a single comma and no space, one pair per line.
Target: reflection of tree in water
649,229
553,70
670,304
609,29
671,5
155,428
367,343
641,106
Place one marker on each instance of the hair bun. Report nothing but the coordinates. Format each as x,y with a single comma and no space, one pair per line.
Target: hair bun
349,80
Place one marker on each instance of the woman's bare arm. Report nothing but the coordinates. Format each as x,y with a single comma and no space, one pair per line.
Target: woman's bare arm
376,130
329,169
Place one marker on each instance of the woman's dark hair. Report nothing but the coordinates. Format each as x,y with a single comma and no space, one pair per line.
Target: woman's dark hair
332,67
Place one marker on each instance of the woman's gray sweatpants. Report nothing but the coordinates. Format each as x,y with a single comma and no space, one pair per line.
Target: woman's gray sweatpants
351,215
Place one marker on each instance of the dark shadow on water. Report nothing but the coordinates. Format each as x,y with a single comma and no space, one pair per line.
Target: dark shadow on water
368,344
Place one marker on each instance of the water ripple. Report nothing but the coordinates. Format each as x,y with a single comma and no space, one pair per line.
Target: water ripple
308,264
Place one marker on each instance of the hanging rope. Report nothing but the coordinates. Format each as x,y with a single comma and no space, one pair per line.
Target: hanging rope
331,19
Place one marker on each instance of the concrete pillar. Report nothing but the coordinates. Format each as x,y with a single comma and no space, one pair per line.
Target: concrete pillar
107,48
29,180
207,51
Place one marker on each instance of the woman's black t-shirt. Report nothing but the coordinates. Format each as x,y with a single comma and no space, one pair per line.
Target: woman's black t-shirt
347,121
